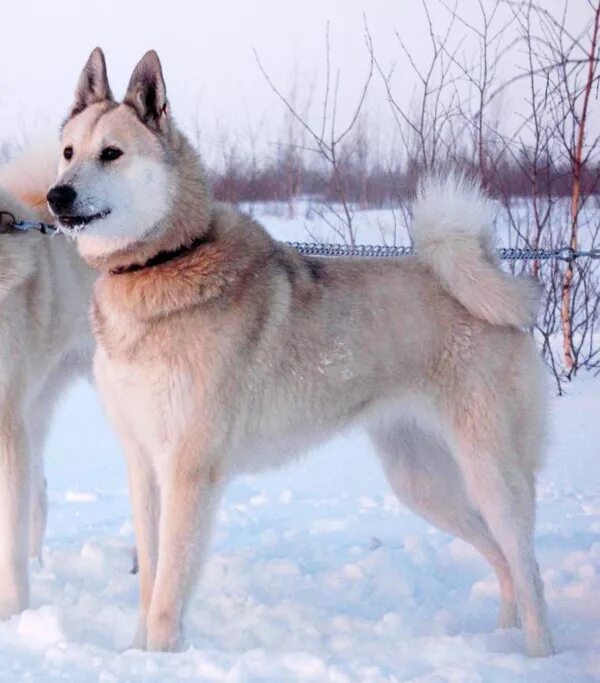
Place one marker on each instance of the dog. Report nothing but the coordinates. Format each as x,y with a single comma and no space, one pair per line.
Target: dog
45,341
221,350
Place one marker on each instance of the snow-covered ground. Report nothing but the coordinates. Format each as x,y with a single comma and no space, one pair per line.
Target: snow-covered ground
316,574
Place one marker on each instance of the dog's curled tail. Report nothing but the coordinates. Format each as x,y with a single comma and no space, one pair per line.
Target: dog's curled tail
452,237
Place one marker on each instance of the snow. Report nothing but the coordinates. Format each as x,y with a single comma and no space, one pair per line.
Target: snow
316,573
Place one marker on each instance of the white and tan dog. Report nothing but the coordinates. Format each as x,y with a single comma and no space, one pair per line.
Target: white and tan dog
45,340
221,350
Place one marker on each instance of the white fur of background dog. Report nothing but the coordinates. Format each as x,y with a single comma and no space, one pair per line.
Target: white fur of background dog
44,342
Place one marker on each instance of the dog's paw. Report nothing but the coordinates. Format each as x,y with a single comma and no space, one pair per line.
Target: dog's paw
163,642
163,635
539,644
139,640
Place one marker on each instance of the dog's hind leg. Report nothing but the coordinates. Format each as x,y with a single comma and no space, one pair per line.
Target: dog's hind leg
14,512
502,490
424,476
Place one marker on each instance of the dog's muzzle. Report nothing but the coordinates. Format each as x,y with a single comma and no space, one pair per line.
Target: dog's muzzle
61,200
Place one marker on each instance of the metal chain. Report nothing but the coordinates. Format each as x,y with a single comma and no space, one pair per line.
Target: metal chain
383,251
360,250
44,228
24,226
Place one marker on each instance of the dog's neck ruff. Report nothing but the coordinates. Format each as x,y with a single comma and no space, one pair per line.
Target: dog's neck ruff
161,258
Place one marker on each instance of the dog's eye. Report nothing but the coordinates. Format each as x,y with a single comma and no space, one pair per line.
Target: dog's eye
68,152
110,153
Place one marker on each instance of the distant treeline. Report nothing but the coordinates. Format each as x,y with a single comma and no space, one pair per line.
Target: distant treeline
380,185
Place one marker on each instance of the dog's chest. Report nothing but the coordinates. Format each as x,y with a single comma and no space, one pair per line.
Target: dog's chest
120,334
155,376
152,401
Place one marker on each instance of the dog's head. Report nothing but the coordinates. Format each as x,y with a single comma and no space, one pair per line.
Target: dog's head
115,184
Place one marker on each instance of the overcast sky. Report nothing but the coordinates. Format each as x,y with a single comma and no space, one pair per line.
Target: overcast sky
207,53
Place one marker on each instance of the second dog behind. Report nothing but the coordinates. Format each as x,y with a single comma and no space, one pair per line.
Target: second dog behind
45,341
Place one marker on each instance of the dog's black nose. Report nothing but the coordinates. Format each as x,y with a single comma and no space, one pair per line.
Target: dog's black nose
61,198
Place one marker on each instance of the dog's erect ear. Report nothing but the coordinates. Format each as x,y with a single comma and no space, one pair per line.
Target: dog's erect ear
93,83
147,93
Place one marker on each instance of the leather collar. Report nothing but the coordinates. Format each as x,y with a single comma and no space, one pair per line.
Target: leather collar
160,258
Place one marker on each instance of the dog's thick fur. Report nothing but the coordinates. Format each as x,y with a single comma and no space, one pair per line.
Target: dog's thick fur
45,291
237,353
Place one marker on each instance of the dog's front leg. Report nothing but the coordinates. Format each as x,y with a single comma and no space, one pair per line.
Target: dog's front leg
37,430
188,500
145,504
14,513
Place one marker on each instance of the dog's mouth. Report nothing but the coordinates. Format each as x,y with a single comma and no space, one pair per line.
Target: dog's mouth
80,222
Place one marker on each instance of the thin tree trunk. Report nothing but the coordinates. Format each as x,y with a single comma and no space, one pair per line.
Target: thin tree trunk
567,286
